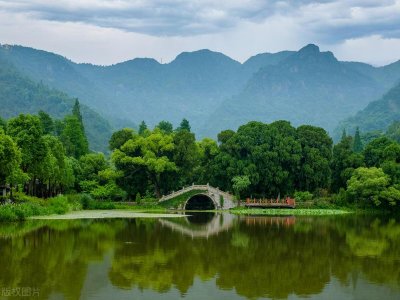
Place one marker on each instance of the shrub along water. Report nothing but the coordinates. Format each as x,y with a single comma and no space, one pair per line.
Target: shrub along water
32,206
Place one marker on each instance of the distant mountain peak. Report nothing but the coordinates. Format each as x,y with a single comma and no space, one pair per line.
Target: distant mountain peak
310,49
142,61
200,56
311,53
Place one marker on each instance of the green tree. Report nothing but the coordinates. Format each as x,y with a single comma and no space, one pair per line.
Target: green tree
76,111
184,125
90,166
3,124
240,184
357,145
120,137
58,127
316,155
98,179
165,127
142,128
268,153
10,157
74,138
225,135
47,122
374,152
391,162
344,162
372,185
207,151
185,156
51,173
69,178
27,132
151,155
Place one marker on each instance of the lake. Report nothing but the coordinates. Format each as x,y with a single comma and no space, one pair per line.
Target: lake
204,256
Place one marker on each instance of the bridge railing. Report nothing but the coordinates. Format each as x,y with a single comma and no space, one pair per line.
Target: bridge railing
192,187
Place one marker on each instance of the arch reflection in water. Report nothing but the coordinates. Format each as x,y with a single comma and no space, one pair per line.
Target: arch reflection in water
200,224
200,218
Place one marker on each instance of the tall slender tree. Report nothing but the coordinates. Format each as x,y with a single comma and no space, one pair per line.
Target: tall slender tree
184,125
142,128
10,156
74,138
73,133
76,111
357,145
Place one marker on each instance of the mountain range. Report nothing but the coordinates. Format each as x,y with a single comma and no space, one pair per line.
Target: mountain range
211,90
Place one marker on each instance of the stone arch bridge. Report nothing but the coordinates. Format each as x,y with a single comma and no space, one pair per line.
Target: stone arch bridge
206,197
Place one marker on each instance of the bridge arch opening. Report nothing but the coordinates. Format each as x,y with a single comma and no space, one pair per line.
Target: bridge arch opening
200,202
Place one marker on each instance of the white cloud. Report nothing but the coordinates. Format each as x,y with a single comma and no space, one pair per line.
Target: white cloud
372,49
109,31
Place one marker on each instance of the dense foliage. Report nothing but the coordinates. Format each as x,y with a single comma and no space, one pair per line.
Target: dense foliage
261,160
45,157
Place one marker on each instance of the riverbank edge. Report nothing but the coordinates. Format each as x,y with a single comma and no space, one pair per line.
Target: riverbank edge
290,211
62,205
106,214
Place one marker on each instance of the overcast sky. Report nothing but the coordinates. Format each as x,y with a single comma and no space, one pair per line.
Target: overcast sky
109,31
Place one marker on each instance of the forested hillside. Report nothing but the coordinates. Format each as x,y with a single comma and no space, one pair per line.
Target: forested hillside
378,115
19,94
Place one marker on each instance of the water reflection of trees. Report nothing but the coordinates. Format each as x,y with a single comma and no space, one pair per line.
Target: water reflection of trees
54,257
264,258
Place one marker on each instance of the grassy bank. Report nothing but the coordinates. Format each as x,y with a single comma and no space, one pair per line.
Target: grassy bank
26,207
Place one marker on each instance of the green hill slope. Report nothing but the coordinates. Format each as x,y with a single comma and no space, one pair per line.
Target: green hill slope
19,94
378,115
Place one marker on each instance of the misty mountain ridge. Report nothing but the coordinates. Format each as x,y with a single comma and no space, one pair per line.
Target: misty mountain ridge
212,90
377,116
308,87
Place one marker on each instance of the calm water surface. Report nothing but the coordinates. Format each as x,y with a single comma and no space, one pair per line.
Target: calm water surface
206,256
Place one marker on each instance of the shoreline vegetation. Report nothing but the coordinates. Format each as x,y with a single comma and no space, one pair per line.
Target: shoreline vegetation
41,157
79,206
